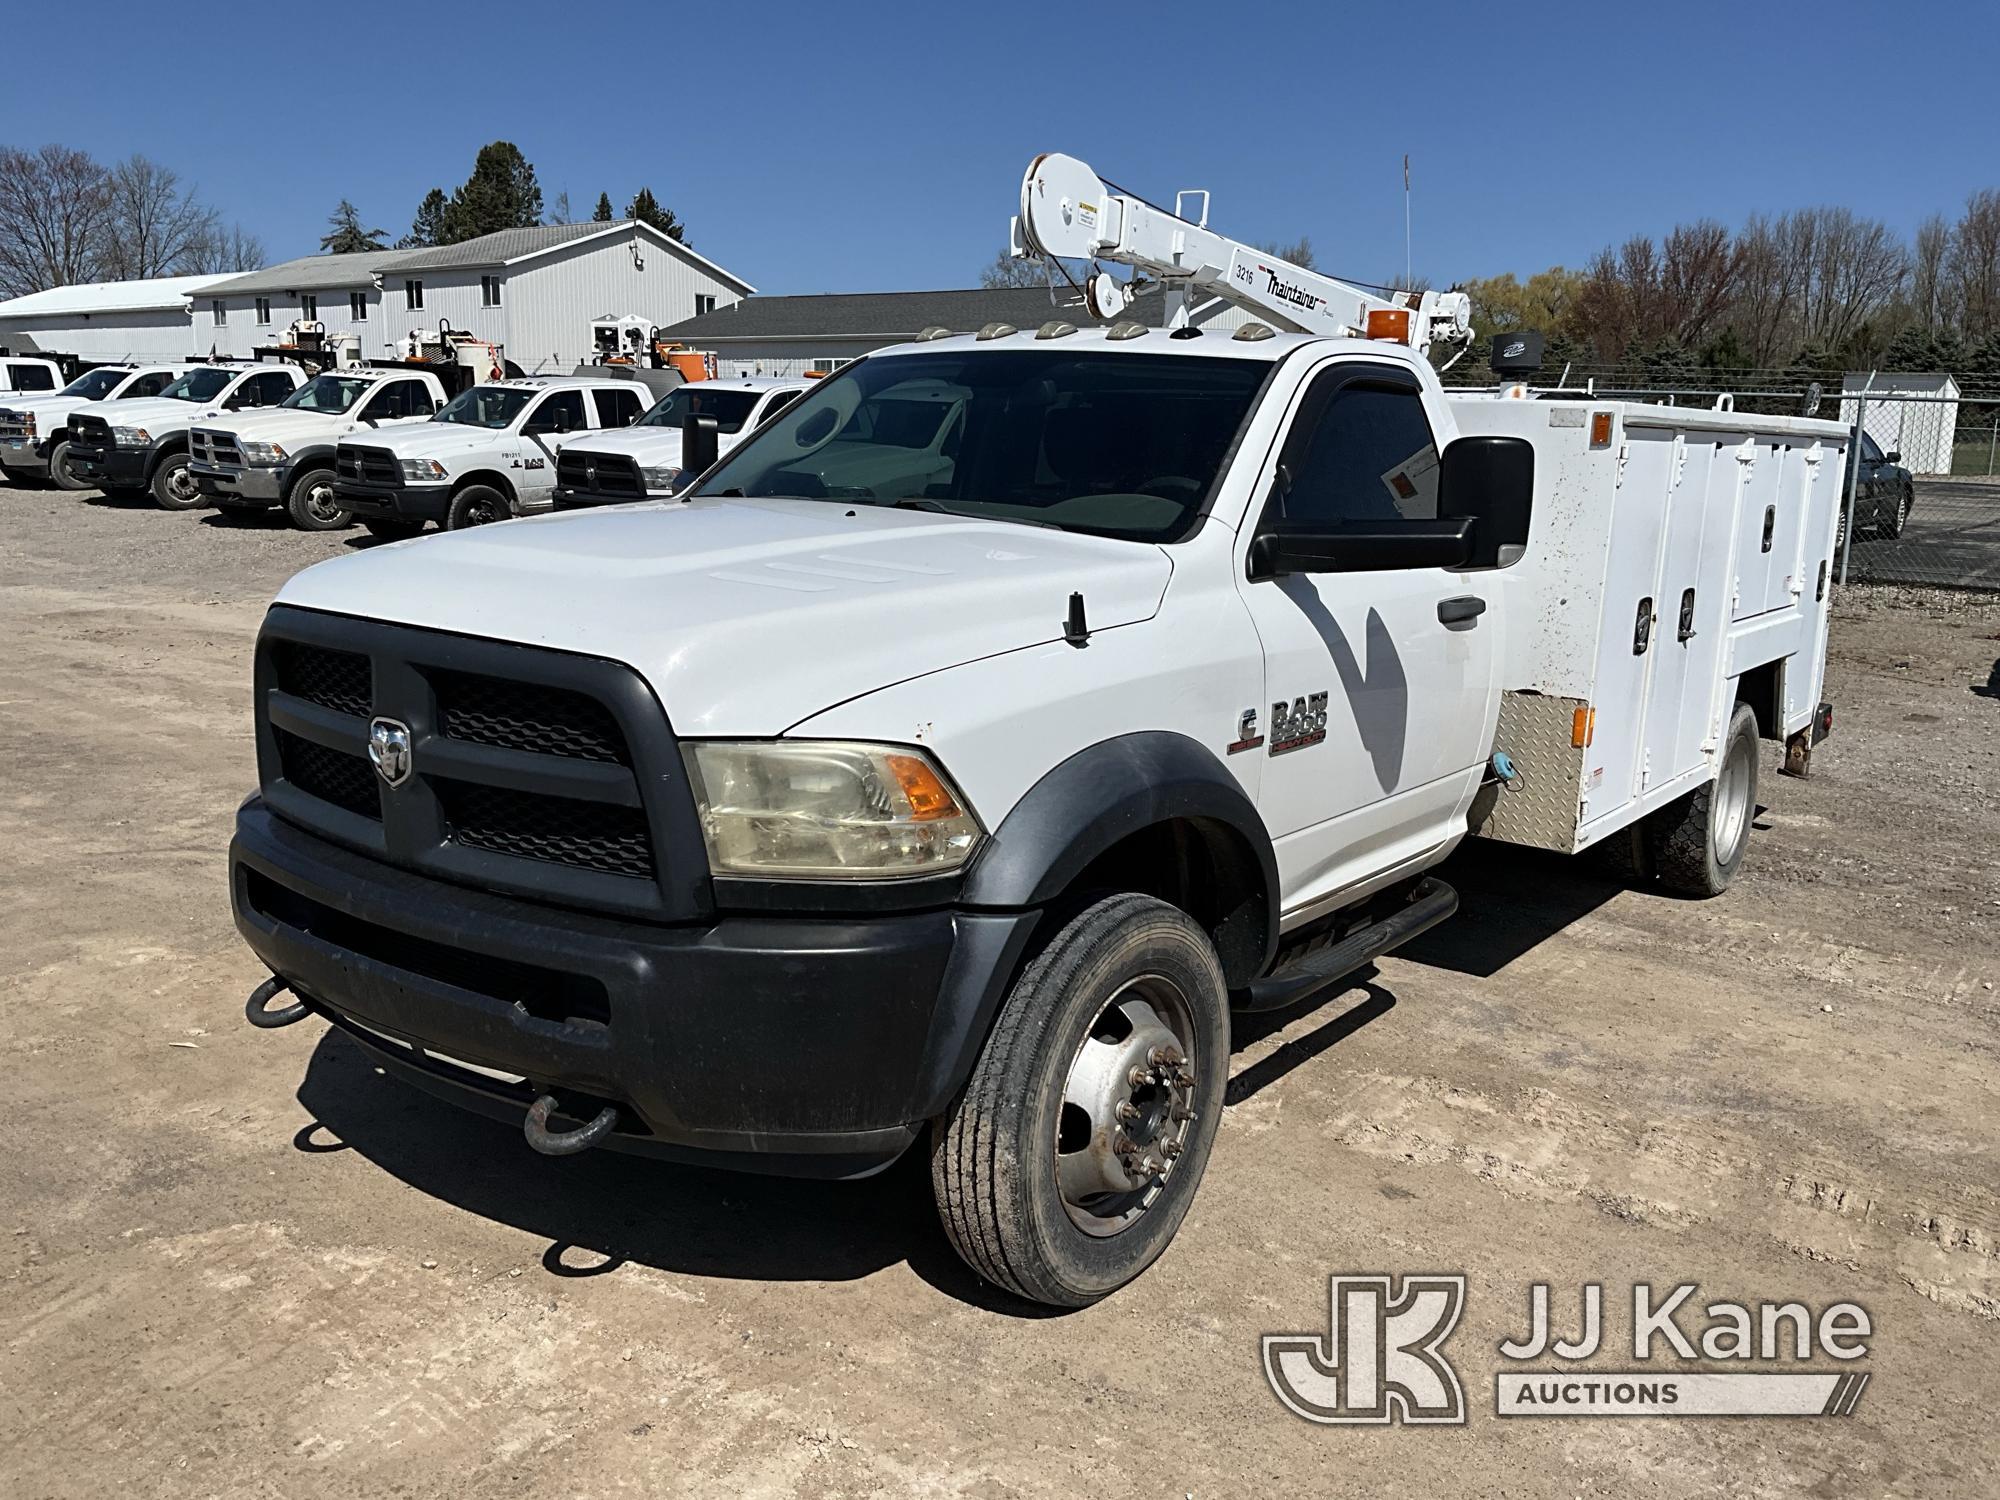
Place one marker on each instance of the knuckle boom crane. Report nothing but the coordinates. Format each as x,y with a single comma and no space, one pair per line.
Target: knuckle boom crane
1068,212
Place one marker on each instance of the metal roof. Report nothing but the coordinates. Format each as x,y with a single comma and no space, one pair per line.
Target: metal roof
890,315
157,293
504,247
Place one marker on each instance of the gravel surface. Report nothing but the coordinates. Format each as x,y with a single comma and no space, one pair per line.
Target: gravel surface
244,1263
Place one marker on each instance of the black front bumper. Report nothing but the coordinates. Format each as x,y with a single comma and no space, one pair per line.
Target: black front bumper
807,1045
426,502
122,468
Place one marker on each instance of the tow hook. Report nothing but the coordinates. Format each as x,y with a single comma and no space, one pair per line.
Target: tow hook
565,1142
257,1012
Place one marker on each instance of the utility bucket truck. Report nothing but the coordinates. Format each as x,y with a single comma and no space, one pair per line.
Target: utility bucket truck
962,750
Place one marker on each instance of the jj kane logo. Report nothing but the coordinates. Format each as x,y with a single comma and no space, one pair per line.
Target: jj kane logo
1382,1358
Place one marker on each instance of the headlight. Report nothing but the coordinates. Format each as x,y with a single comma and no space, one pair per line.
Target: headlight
28,423
423,468
131,437
264,455
662,478
820,809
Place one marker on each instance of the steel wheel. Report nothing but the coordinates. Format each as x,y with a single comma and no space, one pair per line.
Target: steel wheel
321,505
1127,1107
1732,807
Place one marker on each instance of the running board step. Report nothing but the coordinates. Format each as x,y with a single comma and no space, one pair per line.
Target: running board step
1430,902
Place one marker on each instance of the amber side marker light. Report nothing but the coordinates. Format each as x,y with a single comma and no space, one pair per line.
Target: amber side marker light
929,798
1600,429
1582,727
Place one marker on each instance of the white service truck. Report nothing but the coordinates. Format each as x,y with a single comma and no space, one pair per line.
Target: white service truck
488,455
34,430
21,375
646,460
889,791
142,445
284,458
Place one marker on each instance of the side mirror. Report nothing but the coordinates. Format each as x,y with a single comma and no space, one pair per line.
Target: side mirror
1892,457
1489,482
698,443
1358,546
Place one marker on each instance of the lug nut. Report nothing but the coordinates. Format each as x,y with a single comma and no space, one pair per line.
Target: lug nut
1128,1111
1182,1114
1139,1077
1170,1149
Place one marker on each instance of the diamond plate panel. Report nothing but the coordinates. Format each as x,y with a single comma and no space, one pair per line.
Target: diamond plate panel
1542,809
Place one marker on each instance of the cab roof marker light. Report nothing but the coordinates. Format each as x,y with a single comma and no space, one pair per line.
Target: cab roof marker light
1055,328
997,331
935,331
1119,332
1254,333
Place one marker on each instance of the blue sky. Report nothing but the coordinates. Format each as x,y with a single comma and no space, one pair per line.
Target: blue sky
838,147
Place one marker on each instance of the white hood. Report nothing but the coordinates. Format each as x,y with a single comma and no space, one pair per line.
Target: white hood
153,412
649,447
748,616
428,439
285,425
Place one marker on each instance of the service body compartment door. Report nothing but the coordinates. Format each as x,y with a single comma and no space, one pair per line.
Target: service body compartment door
1634,615
1694,614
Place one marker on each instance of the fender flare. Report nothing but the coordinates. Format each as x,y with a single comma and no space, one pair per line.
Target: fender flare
173,443
493,479
1110,791
318,456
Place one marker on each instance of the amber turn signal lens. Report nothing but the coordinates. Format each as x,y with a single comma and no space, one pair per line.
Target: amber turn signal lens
928,797
1582,727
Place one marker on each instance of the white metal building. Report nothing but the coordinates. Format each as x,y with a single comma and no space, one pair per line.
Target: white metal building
105,320
799,335
1920,429
532,291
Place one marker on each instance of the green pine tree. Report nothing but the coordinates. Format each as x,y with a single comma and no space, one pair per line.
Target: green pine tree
427,229
603,214
347,236
500,194
646,208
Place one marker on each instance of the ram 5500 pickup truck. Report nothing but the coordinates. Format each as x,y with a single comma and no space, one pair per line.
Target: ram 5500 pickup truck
644,461
490,454
128,446
34,430
981,732
284,458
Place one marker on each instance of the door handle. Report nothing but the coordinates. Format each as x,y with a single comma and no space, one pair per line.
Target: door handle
1464,607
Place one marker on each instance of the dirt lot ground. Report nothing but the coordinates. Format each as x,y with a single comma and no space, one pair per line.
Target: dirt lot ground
240,1263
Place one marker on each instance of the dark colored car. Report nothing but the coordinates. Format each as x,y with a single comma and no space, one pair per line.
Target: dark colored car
1883,491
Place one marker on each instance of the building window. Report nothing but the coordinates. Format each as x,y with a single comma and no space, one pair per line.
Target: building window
308,307
826,366
413,295
489,291
263,310
218,311
357,306
704,302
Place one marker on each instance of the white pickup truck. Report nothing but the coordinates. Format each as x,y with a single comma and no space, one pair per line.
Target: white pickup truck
34,430
490,454
24,376
644,461
987,728
143,445
284,458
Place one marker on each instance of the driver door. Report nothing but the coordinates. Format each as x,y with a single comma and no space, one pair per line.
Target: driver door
1380,686
556,419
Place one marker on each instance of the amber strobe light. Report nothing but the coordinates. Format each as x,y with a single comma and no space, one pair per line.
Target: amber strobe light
1391,323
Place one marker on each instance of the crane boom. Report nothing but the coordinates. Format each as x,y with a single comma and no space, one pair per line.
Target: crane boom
1068,213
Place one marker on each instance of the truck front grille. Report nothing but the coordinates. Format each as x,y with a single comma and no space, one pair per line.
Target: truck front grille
360,465
347,781
13,428
611,474
208,446
531,772
89,437
521,716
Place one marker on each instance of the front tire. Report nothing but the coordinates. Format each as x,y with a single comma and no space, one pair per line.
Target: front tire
312,504
173,484
1698,841
1073,1155
59,471
477,505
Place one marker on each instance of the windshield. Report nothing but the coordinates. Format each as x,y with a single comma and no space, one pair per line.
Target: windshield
731,409
95,385
199,385
328,393
491,406
1115,445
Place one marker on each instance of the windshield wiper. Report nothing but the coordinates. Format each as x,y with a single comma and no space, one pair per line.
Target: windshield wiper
924,502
